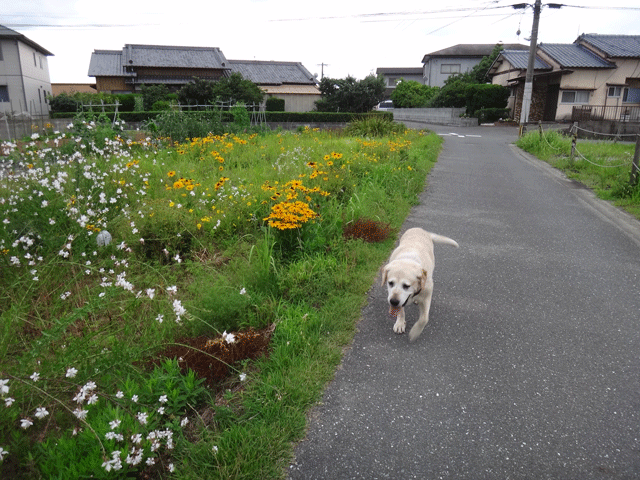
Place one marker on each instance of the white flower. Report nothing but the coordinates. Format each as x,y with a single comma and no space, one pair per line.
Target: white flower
35,376
92,399
41,412
150,461
177,258
171,468
114,424
134,398
214,449
151,292
8,401
80,413
71,372
184,422
160,318
137,438
142,417
228,337
160,410
3,452
243,377
178,309
163,399
25,423
120,394
172,290
243,291
4,387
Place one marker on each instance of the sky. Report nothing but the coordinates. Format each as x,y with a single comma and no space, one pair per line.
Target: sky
331,38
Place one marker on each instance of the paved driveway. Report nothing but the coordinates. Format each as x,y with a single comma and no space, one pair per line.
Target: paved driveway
530,365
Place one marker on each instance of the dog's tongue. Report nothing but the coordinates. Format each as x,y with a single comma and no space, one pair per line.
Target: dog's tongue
393,311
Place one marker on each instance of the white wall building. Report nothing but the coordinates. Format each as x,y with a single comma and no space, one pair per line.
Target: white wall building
24,75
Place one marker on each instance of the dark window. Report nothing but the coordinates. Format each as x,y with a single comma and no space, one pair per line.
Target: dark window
4,93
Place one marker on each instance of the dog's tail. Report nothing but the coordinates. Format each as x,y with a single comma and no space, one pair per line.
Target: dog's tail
442,239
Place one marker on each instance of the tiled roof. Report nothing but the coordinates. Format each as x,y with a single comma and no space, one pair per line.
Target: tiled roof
106,63
623,46
400,70
272,73
12,34
520,59
471,50
112,62
170,56
572,55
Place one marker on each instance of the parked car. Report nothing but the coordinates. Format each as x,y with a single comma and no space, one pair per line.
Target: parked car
385,105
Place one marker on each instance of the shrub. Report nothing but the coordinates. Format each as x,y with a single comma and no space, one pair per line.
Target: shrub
275,104
63,103
491,114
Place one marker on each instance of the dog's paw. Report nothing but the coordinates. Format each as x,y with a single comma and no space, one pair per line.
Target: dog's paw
399,326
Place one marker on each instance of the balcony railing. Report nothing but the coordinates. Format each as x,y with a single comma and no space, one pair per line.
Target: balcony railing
616,113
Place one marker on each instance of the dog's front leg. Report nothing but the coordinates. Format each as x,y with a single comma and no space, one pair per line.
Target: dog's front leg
424,305
400,324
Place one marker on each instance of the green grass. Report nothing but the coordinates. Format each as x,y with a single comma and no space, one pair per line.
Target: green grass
192,257
604,167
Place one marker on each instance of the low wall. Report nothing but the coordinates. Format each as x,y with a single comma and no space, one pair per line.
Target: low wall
433,116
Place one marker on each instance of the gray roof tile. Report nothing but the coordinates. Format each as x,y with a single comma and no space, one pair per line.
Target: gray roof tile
272,73
623,46
520,59
571,55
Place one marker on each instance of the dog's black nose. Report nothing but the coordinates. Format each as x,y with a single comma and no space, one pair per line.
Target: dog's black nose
394,301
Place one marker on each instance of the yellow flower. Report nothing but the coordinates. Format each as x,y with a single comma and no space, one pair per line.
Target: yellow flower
171,173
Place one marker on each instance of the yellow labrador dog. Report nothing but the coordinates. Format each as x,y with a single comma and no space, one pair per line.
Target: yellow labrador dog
409,275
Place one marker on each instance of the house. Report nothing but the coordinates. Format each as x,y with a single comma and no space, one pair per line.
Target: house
290,81
597,76
24,75
126,70
440,65
393,75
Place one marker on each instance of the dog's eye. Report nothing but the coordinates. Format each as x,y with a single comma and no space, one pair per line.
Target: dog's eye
391,284
406,287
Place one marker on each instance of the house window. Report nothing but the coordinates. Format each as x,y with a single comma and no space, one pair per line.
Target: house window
449,68
1,57
4,93
614,91
40,63
631,95
575,96
35,60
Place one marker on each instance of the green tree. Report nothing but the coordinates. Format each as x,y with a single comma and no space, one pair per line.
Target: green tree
412,94
197,92
350,95
237,89
479,72
152,94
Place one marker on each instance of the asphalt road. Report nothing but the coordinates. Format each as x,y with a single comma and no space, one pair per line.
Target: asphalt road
529,367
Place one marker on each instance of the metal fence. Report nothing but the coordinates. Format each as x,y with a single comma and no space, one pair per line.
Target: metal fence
616,113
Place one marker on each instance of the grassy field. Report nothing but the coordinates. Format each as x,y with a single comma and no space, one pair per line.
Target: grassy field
172,310
603,166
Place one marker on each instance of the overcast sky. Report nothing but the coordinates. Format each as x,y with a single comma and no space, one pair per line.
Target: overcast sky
348,37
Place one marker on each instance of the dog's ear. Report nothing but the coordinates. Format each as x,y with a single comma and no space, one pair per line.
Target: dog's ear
384,272
423,279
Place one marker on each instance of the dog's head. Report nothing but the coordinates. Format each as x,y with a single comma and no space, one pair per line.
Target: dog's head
404,279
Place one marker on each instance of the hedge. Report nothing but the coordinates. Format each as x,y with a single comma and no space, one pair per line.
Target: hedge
276,117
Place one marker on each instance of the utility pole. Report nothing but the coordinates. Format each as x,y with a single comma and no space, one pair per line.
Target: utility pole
528,82
322,65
